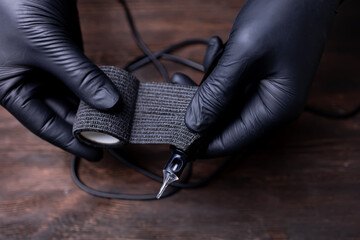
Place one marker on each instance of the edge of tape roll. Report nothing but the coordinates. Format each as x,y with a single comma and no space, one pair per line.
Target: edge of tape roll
99,137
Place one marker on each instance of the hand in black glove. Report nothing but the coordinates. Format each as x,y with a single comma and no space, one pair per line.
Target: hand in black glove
263,77
43,71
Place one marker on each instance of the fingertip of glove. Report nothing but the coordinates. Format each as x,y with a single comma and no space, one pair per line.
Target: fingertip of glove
182,79
106,98
82,150
193,119
93,155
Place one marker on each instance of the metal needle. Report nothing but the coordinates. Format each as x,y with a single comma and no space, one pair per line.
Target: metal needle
169,177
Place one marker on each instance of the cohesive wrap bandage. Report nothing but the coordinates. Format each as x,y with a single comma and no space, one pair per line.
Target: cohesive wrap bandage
149,113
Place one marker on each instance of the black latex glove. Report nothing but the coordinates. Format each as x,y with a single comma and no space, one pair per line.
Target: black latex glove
44,73
263,77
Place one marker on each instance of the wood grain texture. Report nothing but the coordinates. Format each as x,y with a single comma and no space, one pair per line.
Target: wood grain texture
303,184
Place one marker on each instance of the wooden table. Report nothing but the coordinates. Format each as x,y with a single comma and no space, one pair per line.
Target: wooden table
303,184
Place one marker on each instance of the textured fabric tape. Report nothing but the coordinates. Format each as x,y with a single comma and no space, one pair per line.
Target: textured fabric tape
149,113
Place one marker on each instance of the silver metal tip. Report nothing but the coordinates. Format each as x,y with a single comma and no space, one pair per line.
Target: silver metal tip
169,177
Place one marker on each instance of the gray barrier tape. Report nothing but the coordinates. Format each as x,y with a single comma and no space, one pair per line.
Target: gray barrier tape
149,113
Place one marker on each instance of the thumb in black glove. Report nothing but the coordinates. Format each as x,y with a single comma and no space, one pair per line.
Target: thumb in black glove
44,73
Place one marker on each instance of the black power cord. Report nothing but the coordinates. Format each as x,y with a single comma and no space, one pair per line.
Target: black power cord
74,173
153,57
143,60
141,43
332,115
182,184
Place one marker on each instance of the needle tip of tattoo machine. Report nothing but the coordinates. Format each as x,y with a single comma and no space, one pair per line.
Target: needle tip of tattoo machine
169,177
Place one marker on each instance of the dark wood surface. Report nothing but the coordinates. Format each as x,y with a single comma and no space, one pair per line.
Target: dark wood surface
303,184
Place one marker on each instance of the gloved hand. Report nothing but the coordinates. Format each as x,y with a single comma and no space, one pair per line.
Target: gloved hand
263,77
44,73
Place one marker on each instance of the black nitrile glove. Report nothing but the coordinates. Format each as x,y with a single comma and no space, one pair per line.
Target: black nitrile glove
264,74
44,73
